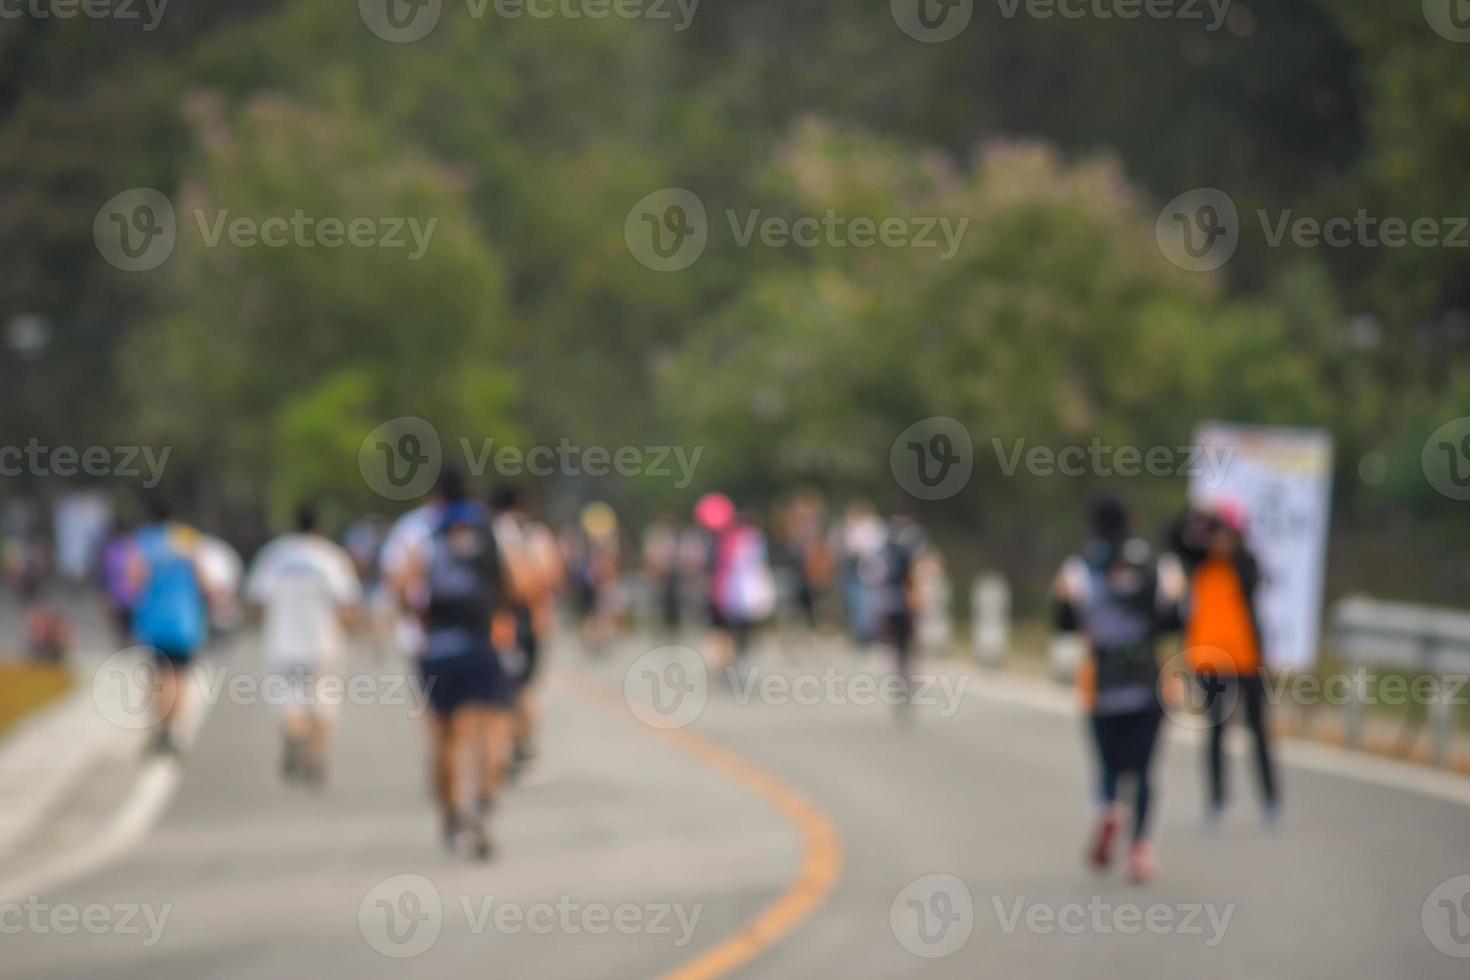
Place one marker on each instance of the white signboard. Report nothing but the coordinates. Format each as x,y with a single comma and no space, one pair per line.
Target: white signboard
1283,477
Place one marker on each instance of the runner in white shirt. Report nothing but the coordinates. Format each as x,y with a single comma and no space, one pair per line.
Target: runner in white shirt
407,538
308,590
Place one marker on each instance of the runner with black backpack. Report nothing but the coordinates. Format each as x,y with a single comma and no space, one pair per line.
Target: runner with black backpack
459,577
1122,601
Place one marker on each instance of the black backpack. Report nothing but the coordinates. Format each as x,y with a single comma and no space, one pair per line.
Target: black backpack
466,578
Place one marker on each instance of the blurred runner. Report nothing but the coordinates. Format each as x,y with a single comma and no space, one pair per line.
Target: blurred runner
49,634
661,571
894,598
222,572
694,572
859,538
407,538
805,540
172,612
594,561
743,591
462,582
1223,641
533,561
309,592
118,589
364,541
1121,601
27,565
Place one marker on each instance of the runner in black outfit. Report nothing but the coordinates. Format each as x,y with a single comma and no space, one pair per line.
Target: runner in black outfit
1122,601
461,578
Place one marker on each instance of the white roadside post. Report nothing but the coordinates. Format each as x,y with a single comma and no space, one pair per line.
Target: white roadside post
990,615
936,625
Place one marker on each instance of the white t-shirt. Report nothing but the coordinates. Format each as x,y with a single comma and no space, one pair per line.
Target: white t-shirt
303,581
409,536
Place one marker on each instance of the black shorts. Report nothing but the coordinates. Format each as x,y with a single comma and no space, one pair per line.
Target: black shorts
529,644
122,621
898,629
474,679
173,656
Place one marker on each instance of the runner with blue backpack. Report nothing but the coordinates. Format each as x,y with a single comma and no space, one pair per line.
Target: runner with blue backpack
171,614
460,577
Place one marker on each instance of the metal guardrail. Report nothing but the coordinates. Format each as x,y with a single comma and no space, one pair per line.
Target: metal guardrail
1399,636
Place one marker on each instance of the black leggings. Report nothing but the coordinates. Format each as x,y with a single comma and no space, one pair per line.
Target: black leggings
1223,696
1125,746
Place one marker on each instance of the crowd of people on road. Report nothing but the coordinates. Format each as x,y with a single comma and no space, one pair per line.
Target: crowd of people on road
860,574
471,588
1123,598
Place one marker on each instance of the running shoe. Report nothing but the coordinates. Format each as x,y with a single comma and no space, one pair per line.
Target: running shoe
1100,855
1141,865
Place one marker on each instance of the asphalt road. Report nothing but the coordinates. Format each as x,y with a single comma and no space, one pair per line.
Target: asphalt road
947,848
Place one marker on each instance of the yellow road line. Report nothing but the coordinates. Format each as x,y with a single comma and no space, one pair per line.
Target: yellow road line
822,852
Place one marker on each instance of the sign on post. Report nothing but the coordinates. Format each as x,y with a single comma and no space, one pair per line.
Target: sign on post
1283,477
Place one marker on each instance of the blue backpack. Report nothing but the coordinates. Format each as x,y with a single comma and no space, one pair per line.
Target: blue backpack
171,614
